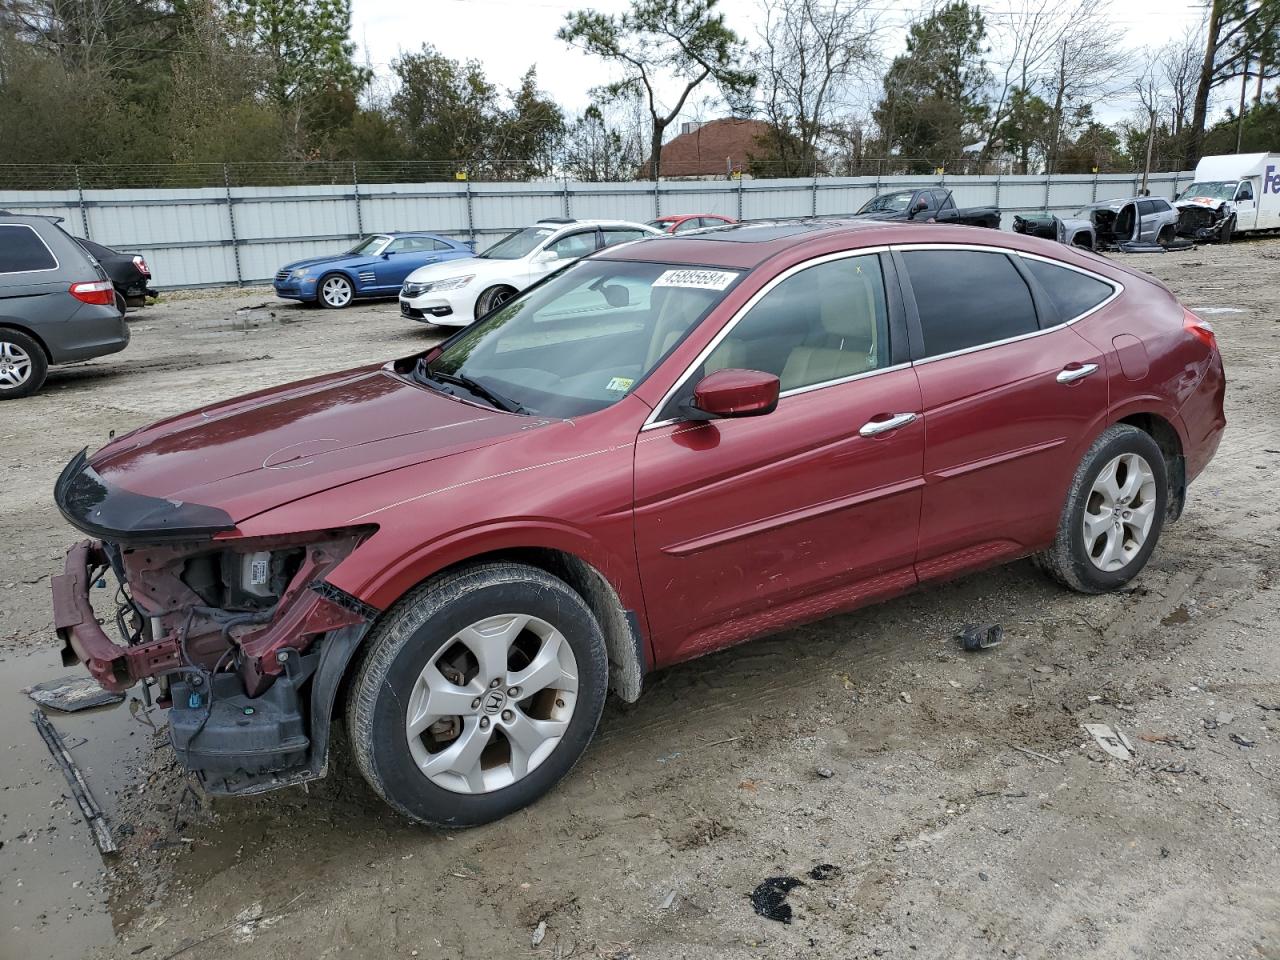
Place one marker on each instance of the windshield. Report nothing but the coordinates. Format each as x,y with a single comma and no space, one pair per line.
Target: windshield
896,202
1224,190
519,244
369,246
581,341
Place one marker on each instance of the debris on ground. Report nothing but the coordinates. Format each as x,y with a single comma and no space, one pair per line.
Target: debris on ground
1242,741
824,871
980,636
1035,753
1113,744
769,899
826,773
539,933
668,900
72,694
89,809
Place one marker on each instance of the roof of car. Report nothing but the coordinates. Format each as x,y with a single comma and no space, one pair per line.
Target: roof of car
747,245
742,244
588,222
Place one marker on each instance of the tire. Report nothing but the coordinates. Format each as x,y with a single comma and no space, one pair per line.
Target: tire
1228,229
1166,235
121,303
23,365
493,298
334,291
420,639
1116,554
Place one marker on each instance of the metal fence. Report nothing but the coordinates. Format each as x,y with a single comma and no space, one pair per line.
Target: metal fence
225,234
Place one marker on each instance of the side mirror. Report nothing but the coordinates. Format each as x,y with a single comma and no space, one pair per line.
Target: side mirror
546,256
733,393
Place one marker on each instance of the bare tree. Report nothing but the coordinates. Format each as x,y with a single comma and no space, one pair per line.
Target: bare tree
1028,37
811,53
1084,67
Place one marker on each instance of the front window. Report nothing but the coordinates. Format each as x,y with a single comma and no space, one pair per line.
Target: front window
584,339
895,202
519,244
369,246
1214,190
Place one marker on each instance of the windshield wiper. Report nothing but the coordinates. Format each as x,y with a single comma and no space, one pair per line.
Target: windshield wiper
423,372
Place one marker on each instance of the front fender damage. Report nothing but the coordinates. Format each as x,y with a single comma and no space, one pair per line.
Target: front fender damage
245,641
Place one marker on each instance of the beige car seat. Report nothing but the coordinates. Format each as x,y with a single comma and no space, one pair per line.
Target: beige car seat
846,340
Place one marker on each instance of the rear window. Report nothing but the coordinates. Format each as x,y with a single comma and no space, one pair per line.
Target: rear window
22,250
1073,293
967,298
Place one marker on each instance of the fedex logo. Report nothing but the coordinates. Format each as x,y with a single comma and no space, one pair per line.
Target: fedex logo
1271,180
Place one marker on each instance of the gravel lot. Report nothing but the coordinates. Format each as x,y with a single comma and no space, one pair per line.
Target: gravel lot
961,809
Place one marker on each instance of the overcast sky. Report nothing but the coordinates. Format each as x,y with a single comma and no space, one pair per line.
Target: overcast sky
509,35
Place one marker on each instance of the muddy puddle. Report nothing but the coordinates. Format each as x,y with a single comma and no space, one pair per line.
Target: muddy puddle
53,899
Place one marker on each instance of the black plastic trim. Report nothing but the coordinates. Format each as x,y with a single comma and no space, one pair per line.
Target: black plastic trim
345,600
91,504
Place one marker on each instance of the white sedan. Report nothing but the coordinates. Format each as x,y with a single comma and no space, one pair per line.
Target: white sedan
454,294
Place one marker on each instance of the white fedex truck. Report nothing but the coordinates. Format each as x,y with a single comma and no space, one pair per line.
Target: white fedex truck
1239,193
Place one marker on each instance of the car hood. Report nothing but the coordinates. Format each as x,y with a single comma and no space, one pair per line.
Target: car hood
261,451
333,260
1198,202
463,266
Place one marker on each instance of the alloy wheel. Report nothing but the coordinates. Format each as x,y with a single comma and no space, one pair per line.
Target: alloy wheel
1119,512
336,291
493,704
15,365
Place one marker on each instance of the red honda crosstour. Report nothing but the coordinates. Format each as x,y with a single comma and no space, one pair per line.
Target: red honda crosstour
668,447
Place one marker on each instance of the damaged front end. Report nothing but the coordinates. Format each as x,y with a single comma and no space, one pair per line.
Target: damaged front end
243,639
1201,222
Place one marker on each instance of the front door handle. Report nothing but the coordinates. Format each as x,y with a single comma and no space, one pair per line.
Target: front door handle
1076,371
874,428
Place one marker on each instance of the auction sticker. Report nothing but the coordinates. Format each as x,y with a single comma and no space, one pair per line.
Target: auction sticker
697,279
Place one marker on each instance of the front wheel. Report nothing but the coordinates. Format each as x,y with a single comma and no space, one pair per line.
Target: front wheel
477,693
1228,229
335,291
1114,513
493,298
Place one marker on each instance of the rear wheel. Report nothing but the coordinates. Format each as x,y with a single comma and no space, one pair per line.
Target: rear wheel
22,365
1114,513
334,291
493,298
478,692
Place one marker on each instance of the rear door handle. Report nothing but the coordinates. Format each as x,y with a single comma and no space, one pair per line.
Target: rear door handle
875,427
1076,372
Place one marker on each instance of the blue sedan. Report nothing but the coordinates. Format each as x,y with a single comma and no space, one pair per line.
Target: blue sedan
374,267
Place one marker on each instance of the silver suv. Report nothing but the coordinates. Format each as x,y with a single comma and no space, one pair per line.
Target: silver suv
57,305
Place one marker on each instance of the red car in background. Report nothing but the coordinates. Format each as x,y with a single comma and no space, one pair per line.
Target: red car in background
663,449
685,222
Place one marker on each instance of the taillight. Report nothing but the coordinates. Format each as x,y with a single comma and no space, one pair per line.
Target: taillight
1201,329
142,266
99,292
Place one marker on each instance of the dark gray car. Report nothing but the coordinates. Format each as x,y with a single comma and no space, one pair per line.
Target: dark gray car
57,305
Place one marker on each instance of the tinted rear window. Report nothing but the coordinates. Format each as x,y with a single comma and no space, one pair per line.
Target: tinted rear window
21,249
967,298
1071,292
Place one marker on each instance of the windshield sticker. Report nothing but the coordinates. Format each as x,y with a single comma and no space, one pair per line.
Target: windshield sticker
696,279
620,384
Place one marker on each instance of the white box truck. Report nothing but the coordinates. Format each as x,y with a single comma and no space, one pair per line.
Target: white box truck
1238,193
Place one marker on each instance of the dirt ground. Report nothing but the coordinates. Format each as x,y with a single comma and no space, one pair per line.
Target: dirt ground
951,802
